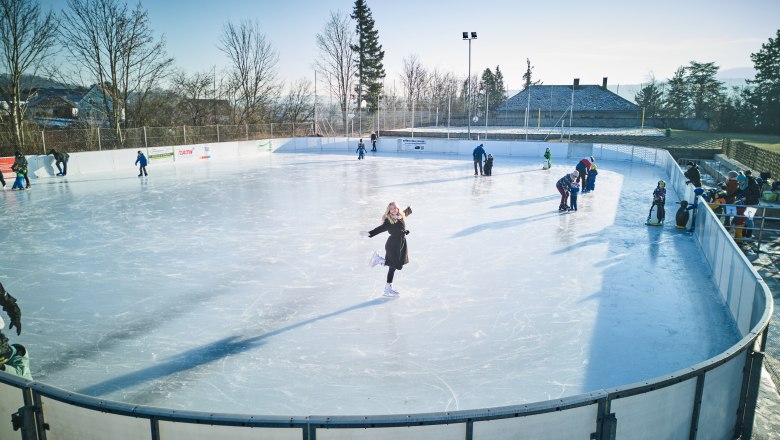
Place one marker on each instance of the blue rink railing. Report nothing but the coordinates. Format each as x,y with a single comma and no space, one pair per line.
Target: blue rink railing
714,399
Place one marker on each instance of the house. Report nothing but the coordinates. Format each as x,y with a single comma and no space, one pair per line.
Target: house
92,108
591,106
57,107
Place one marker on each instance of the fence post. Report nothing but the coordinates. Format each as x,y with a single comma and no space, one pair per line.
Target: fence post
246,131
43,142
100,145
146,142
184,129
217,133
293,131
272,130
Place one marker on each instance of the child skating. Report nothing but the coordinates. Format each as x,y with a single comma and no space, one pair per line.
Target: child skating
591,185
20,171
659,200
488,168
563,185
573,191
361,150
396,251
547,159
141,162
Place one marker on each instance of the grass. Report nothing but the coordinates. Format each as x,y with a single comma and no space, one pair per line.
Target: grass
766,141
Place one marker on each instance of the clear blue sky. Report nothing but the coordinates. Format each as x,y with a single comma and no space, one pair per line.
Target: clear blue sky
625,41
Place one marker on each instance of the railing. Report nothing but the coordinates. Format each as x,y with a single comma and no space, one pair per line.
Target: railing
714,399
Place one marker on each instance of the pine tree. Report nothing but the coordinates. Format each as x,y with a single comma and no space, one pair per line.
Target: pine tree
650,98
706,92
765,97
527,82
369,57
676,103
498,93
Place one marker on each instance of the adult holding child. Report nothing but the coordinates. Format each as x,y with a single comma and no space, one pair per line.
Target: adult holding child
479,154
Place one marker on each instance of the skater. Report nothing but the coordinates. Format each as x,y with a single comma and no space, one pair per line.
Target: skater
361,150
573,191
141,162
591,185
693,175
563,186
489,165
659,200
60,157
396,251
20,171
548,159
2,179
583,167
478,154
681,218
20,160
373,140
14,359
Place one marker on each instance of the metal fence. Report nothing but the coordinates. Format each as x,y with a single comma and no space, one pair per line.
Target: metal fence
714,399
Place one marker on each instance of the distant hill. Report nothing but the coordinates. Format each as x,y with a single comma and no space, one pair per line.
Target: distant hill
35,82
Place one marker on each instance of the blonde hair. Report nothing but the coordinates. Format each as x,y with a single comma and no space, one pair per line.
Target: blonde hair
388,216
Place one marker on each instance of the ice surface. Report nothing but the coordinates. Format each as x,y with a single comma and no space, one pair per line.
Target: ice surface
244,286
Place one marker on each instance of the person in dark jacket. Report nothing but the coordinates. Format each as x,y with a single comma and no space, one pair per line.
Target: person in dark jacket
478,154
489,165
9,305
583,167
693,175
373,141
60,157
141,162
20,162
396,250
752,198
563,185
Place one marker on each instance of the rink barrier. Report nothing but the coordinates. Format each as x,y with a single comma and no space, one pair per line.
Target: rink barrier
714,399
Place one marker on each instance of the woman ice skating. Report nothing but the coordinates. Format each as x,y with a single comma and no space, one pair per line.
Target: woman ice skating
563,185
396,251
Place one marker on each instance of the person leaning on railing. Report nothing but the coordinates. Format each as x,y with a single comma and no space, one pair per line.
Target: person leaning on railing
13,357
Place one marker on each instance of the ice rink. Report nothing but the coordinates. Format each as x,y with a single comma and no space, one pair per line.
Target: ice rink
243,287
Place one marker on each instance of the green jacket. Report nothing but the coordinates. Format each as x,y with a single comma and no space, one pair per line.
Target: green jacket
19,363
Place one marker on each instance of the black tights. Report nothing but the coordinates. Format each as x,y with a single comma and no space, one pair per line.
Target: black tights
390,273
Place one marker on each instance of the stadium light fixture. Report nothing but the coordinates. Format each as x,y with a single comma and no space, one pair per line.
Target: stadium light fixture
469,36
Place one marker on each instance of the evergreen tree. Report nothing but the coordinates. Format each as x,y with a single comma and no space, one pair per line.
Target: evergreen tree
765,96
650,98
736,113
369,57
527,82
498,92
706,92
486,85
676,101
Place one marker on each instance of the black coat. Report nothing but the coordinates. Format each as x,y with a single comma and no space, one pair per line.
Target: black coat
396,251
694,176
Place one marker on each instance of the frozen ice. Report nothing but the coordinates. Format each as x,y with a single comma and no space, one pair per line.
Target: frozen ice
244,286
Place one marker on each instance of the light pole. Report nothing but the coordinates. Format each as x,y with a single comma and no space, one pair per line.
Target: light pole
469,36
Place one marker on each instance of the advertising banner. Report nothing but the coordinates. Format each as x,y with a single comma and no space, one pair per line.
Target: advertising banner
411,144
158,153
192,152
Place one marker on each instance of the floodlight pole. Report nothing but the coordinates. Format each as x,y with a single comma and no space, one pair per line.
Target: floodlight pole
469,36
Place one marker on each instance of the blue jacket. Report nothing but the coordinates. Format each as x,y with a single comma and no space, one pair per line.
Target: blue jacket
141,159
479,153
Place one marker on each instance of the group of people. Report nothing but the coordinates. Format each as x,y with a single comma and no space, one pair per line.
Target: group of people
734,199
582,179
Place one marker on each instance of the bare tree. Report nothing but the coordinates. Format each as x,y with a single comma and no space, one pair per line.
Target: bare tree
337,58
116,48
253,74
192,91
413,78
298,105
27,37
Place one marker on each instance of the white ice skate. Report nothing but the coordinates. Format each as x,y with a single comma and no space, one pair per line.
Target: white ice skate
376,260
389,291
